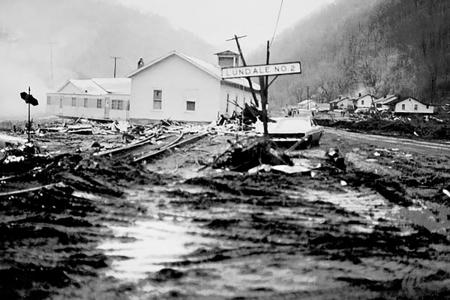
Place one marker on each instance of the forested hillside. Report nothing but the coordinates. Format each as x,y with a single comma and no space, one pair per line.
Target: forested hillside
378,46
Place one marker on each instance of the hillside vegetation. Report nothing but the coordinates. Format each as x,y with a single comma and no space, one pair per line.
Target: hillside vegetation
379,46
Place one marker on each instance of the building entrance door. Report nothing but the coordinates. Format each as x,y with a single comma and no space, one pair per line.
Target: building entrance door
107,108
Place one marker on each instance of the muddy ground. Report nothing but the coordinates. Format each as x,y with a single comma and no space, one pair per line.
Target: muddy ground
174,229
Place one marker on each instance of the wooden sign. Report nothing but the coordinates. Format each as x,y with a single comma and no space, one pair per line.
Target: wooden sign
262,70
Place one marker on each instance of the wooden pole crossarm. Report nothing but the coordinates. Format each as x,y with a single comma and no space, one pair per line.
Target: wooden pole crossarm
273,79
250,83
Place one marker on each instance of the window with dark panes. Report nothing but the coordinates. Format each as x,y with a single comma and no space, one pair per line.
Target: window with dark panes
99,103
190,105
157,99
113,104
74,101
85,102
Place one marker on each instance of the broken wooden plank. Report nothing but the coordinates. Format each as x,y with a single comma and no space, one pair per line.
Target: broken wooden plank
125,148
176,143
164,148
33,189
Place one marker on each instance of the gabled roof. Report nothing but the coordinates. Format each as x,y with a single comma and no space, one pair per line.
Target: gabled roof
366,96
412,98
100,86
114,85
87,86
339,100
388,99
208,68
213,70
307,101
227,52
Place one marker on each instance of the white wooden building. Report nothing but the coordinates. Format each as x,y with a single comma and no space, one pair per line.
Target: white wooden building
386,103
97,98
344,103
413,106
364,103
184,88
308,104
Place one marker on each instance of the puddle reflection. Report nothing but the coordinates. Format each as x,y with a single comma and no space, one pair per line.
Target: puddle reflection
154,243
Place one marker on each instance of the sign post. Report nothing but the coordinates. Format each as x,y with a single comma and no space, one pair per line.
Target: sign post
263,72
30,100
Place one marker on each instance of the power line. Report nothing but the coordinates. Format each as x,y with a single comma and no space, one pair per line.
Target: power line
276,24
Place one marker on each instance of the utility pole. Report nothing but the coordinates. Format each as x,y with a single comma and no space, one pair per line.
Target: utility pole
29,122
250,83
115,63
264,83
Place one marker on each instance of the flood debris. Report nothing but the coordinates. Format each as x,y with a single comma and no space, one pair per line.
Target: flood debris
335,212
248,153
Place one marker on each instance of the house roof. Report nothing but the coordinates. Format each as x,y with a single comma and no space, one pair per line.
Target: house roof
388,99
366,96
339,100
412,98
227,52
307,101
114,85
101,86
86,86
213,70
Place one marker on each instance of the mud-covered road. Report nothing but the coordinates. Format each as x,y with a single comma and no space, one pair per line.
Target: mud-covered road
379,230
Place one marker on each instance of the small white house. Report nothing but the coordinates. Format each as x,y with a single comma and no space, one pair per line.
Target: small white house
365,102
97,98
184,88
386,103
342,103
308,104
413,106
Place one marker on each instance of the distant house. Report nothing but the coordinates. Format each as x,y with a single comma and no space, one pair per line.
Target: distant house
413,106
308,104
364,103
96,98
342,103
386,103
323,107
184,88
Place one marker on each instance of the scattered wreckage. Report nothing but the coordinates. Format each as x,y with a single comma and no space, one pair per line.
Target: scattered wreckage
298,131
142,143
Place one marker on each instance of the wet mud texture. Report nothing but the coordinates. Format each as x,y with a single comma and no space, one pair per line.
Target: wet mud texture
49,238
275,238
379,230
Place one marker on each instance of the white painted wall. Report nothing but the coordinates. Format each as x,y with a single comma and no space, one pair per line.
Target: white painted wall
233,93
91,111
409,105
345,103
179,80
365,102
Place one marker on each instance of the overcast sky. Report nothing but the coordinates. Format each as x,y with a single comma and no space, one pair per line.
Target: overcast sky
217,20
